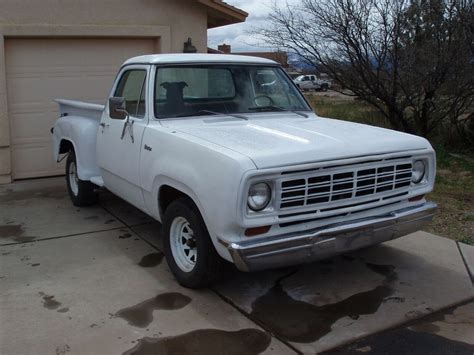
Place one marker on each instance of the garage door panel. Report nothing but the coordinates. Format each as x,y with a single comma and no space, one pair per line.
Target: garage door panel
29,85
41,70
77,52
35,155
29,91
33,126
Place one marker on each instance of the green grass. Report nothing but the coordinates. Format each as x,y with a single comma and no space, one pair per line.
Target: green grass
347,109
454,187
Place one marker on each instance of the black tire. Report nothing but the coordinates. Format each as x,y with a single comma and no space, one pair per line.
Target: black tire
324,87
84,195
209,266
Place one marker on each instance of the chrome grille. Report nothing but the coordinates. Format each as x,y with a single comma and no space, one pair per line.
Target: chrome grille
353,182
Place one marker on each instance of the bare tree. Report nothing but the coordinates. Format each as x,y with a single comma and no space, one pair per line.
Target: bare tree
411,59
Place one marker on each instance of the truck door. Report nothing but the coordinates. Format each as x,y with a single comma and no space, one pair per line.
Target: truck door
119,141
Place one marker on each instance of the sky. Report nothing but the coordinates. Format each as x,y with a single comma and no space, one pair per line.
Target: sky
236,35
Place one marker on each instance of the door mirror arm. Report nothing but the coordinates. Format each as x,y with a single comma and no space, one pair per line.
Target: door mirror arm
128,125
118,111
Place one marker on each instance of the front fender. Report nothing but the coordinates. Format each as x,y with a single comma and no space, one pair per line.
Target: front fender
81,132
210,175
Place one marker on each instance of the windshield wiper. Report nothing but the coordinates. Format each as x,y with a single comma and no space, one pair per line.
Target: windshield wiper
224,114
276,108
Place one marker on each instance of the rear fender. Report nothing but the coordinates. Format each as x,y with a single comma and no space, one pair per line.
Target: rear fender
81,133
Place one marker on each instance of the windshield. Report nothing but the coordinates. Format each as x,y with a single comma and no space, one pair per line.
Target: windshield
228,89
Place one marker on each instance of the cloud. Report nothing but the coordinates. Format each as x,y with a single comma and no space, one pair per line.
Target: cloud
236,35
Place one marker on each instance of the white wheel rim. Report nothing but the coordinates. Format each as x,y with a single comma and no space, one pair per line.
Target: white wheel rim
73,179
183,244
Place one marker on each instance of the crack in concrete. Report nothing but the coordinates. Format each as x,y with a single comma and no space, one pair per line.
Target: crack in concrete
471,276
59,237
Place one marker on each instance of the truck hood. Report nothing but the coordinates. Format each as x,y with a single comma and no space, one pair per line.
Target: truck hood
282,139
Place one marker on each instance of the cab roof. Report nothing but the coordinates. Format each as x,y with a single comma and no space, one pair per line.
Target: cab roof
186,58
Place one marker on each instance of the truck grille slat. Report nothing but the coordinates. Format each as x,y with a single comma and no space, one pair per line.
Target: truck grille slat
355,182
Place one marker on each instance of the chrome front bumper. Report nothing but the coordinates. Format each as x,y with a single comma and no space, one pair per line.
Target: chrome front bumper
289,249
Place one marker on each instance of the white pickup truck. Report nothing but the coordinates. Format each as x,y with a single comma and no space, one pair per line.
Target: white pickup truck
311,82
225,151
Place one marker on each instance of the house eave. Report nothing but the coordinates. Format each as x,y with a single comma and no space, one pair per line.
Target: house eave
222,14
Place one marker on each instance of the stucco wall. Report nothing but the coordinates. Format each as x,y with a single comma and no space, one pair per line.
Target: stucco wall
171,22
184,17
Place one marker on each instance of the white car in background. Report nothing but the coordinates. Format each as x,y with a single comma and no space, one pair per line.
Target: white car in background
227,154
311,82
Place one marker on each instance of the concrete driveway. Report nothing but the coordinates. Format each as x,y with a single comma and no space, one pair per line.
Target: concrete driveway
93,281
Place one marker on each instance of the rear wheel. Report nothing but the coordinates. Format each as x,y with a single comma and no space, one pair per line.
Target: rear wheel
81,192
189,251
324,87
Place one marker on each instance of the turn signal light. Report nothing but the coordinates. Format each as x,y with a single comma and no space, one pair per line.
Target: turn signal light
251,232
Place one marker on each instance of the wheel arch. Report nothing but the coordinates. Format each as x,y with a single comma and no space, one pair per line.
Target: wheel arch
166,195
168,190
65,146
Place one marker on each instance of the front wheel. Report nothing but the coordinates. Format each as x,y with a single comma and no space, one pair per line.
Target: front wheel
81,192
189,251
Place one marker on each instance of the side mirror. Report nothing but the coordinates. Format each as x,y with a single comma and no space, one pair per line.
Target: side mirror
117,108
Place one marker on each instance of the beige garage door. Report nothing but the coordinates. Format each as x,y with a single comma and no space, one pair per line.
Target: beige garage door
40,70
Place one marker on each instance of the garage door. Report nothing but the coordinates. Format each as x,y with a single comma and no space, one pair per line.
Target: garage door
40,70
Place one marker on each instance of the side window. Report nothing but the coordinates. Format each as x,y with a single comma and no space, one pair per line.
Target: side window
132,88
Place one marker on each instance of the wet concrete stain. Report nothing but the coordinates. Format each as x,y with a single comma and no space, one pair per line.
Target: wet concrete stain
141,315
125,236
348,257
52,192
63,349
35,264
426,328
11,231
303,322
414,314
109,221
394,299
427,324
24,239
405,341
151,260
49,302
14,232
205,341
63,310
